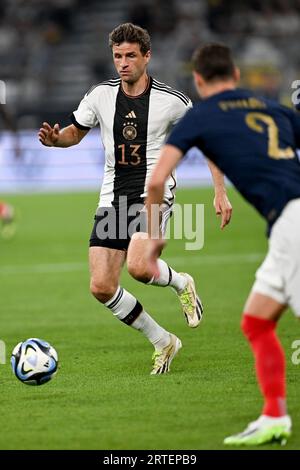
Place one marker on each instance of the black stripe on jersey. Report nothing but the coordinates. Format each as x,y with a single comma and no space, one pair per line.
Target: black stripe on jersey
170,276
130,147
170,204
76,123
169,201
161,86
172,189
112,82
170,92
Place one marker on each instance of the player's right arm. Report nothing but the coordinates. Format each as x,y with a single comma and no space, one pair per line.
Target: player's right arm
83,119
167,162
54,137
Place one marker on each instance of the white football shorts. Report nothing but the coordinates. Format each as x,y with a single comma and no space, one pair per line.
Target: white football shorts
279,275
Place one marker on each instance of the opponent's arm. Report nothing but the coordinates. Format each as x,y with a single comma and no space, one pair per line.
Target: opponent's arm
54,137
221,202
167,162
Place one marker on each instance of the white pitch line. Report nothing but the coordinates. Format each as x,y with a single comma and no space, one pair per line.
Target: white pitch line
235,258
199,260
43,268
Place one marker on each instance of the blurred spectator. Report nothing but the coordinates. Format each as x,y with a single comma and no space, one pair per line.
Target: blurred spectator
164,16
10,124
51,51
141,13
218,15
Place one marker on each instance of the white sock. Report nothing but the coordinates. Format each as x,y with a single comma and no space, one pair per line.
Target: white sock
128,309
168,277
152,330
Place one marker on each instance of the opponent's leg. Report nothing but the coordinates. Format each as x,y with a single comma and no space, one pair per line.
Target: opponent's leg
258,325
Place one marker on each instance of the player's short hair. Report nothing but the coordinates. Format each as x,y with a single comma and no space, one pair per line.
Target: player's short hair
128,32
214,62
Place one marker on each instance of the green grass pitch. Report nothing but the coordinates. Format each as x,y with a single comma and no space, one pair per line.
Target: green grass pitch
103,396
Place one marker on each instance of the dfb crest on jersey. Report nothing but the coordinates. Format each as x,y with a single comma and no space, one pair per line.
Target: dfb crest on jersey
129,131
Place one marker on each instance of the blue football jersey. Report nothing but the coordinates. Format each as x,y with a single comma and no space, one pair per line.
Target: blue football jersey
252,140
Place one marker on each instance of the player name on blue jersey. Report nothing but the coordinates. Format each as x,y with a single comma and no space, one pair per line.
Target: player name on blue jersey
245,103
252,140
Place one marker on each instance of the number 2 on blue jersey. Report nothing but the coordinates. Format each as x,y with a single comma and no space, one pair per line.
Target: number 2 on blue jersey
254,120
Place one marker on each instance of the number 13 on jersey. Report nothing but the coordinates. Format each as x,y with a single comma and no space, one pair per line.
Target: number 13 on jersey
133,154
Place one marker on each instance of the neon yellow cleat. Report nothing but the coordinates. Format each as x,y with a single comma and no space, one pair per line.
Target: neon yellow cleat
265,429
191,304
163,358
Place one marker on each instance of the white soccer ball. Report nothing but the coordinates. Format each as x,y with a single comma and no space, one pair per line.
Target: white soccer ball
34,361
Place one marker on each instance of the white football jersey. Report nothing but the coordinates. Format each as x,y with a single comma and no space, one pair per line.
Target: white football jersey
133,130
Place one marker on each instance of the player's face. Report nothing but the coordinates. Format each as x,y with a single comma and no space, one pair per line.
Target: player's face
130,63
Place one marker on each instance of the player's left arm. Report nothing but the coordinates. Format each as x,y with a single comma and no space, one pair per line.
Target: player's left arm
222,204
169,158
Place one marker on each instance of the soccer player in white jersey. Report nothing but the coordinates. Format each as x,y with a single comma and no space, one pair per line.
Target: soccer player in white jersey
135,113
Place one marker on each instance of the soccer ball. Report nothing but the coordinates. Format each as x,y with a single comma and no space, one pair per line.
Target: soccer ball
34,361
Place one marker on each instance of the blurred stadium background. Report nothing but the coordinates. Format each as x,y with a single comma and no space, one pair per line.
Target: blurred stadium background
51,52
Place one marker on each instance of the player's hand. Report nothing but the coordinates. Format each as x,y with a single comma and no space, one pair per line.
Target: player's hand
223,208
154,251
49,135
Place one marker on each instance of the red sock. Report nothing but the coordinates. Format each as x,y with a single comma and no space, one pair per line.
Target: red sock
269,362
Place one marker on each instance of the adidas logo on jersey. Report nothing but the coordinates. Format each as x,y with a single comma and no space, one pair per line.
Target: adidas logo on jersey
131,115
